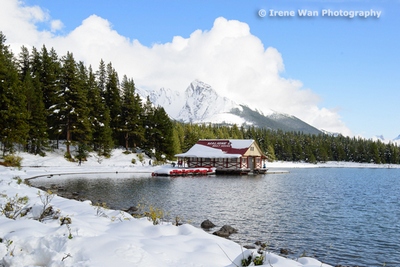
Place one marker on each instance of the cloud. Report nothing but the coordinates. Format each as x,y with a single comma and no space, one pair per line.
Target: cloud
228,57
56,25
18,22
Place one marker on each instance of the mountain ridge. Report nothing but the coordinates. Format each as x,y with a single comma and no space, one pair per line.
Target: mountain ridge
200,103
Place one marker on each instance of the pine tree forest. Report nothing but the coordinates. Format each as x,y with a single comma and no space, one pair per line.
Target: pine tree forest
47,99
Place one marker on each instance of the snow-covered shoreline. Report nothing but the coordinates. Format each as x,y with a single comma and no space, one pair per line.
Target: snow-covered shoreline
104,237
54,163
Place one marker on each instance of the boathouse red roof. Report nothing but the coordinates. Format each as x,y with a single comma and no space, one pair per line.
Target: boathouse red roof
228,146
218,148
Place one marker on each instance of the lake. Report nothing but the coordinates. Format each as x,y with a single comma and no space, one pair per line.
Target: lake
344,216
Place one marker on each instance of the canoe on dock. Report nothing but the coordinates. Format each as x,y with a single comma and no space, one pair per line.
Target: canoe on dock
171,171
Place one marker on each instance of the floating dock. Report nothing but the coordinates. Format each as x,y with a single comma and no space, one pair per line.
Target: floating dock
183,171
202,171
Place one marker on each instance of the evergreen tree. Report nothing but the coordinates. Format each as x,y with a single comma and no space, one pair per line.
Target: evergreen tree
162,134
179,136
46,71
131,123
176,144
101,76
82,129
24,64
99,118
37,136
270,153
50,74
374,153
208,131
112,99
147,119
190,137
159,132
235,132
13,114
74,112
393,154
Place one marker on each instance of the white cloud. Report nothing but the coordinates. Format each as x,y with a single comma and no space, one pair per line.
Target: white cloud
17,22
228,57
56,25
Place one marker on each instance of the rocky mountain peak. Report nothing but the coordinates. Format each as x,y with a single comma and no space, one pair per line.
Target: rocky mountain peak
200,103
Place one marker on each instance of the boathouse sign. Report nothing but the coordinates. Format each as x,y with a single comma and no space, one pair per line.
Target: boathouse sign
219,144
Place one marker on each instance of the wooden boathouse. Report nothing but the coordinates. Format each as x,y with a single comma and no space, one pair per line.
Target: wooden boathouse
233,156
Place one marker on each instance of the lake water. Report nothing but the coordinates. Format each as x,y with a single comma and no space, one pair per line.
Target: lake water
339,215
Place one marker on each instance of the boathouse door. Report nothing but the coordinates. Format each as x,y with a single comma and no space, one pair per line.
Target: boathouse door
251,163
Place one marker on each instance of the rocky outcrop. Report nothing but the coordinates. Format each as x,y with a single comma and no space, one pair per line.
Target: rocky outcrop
131,210
207,224
225,231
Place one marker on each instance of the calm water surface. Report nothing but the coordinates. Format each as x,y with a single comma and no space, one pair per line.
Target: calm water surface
341,216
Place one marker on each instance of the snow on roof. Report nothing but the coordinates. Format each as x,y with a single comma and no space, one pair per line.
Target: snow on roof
217,148
241,143
200,151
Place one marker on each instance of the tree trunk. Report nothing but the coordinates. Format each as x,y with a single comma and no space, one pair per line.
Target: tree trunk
127,141
68,140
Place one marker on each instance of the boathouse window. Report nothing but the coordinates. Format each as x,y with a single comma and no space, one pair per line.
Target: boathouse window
252,148
206,161
233,159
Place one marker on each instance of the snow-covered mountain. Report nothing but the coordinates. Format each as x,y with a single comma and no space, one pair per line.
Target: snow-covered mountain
200,103
378,137
381,138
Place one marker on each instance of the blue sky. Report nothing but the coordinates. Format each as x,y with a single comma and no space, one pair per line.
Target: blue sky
345,70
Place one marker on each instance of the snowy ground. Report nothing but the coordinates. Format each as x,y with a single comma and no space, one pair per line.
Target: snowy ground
95,236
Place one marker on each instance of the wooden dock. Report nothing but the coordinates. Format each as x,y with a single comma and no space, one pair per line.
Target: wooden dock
269,171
